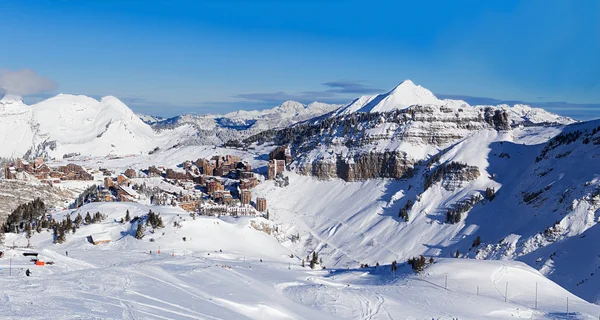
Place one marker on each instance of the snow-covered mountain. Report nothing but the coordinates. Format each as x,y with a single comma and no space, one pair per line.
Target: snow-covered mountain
69,124
149,119
384,178
521,179
388,134
408,94
235,126
402,96
17,127
527,193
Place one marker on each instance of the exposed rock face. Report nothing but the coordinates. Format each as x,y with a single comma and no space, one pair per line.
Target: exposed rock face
360,146
363,166
497,118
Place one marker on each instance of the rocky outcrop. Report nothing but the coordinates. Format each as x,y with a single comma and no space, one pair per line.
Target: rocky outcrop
393,165
452,175
360,146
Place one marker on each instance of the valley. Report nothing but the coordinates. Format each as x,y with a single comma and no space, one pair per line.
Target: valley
496,199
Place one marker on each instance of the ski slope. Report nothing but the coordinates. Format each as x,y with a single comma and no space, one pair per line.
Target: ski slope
228,270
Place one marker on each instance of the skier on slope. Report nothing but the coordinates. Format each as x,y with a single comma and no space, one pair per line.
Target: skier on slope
28,273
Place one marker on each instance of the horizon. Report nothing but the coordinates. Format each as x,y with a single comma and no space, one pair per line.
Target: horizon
205,57
559,108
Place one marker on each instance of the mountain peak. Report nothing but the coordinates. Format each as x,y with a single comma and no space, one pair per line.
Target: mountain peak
11,98
405,84
401,96
411,93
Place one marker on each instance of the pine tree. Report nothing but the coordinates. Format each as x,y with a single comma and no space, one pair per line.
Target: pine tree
139,233
88,218
490,193
68,224
127,217
78,220
418,264
315,260
477,242
59,234
159,222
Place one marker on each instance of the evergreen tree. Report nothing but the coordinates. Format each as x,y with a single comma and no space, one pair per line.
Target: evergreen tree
127,217
139,233
45,223
68,224
78,220
88,218
477,242
418,264
315,260
490,193
60,234
404,210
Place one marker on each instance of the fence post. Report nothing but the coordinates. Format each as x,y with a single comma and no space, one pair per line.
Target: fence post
506,292
536,295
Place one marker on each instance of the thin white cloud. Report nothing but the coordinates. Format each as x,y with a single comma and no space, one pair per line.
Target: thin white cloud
24,82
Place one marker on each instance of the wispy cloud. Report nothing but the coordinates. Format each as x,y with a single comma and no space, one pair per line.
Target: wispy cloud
279,97
350,87
24,82
336,92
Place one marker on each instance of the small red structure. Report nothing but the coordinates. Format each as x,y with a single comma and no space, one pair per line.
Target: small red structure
39,263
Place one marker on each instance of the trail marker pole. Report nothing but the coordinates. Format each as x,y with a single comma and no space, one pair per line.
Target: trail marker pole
477,290
506,292
536,295
10,268
567,306
446,283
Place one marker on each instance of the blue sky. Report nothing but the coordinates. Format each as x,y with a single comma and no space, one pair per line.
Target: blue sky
171,57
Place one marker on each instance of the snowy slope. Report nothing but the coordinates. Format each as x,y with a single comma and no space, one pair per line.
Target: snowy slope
228,270
537,186
17,127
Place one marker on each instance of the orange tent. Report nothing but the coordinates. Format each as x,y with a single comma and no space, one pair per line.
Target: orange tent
39,263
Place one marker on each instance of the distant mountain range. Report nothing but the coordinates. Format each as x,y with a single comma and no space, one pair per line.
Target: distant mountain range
70,124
